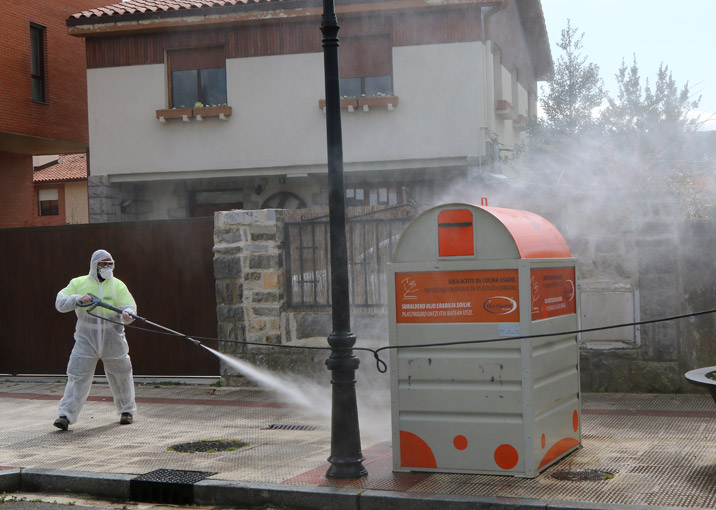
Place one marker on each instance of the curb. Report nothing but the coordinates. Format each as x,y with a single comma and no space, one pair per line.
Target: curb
10,479
99,485
226,493
220,493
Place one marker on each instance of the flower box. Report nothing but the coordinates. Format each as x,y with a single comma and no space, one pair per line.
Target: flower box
174,113
346,103
378,101
504,109
213,111
521,123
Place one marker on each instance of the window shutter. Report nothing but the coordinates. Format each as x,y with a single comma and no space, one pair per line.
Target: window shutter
196,58
365,56
48,194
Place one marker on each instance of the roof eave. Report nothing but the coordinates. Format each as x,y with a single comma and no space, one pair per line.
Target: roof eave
82,25
59,181
535,28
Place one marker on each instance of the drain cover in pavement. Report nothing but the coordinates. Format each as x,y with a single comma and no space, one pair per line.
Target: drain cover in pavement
166,486
582,475
289,426
208,446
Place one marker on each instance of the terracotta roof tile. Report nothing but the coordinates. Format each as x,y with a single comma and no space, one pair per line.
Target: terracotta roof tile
147,6
69,167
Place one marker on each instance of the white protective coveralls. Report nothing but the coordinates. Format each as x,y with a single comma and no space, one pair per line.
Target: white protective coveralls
97,339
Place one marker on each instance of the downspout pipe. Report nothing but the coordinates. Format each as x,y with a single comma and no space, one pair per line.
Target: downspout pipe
487,10
485,15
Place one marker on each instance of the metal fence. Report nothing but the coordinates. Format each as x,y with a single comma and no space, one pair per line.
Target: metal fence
370,240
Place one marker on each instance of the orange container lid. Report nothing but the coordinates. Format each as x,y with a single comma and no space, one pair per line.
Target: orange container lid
534,236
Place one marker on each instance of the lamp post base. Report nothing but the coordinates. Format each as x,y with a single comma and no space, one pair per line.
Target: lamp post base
346,456
348,470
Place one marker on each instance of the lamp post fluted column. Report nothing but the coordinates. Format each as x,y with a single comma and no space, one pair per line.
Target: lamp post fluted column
346,456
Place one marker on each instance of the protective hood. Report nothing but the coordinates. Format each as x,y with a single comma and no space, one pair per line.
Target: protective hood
94,261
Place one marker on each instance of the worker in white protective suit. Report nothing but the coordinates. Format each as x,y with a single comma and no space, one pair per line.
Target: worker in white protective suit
96,339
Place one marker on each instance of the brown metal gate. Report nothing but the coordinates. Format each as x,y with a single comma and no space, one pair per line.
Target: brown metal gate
167,265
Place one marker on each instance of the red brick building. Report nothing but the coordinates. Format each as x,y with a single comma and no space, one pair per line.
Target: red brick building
44,101
61,185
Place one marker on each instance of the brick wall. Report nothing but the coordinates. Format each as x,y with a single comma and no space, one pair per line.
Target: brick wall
64,117
16,192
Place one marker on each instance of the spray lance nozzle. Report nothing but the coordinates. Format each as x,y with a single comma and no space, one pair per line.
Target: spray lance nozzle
96,301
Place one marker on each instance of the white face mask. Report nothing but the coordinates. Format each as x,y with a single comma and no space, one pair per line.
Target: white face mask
105,272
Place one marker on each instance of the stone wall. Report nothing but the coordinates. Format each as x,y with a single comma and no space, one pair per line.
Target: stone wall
250,283
666,261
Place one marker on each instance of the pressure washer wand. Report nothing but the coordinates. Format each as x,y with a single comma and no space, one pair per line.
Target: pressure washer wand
96,301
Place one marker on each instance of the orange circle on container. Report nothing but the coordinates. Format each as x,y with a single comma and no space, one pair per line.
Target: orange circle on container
544,440
506,456
575,420
460,442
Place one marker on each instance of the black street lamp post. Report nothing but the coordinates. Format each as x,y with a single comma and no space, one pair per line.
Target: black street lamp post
346,456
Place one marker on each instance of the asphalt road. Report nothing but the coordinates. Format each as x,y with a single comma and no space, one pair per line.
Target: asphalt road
26,501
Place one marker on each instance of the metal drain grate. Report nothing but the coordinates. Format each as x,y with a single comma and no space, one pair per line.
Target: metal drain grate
289,426
166,486
208,446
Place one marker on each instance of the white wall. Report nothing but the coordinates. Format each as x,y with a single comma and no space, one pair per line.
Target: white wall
524,101
276,121
76,207
439,88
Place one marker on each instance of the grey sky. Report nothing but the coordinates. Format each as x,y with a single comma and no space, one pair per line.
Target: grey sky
674,33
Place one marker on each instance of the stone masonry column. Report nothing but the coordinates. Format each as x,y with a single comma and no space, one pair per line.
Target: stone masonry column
250,283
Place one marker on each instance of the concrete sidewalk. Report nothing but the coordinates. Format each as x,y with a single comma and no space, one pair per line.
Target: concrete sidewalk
661,450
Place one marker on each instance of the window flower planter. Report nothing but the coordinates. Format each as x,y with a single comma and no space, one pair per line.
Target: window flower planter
347,103
377,102
353,103
174,113
212,111
521,123
504,109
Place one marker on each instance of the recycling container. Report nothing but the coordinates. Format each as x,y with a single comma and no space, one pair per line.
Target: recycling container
495,405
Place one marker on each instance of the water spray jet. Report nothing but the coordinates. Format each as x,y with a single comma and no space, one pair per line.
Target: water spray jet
259,376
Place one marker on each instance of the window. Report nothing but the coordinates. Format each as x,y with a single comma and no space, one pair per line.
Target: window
366,66
197,75
37,62
377,194
616,300
48,201
206,203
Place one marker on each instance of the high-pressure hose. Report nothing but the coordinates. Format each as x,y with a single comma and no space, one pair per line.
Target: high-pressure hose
96,301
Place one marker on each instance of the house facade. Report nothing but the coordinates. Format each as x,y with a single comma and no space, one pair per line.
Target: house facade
198,107
44,107
61,189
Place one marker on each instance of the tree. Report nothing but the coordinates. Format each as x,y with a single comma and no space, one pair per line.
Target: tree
638,138
575,90
654,122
